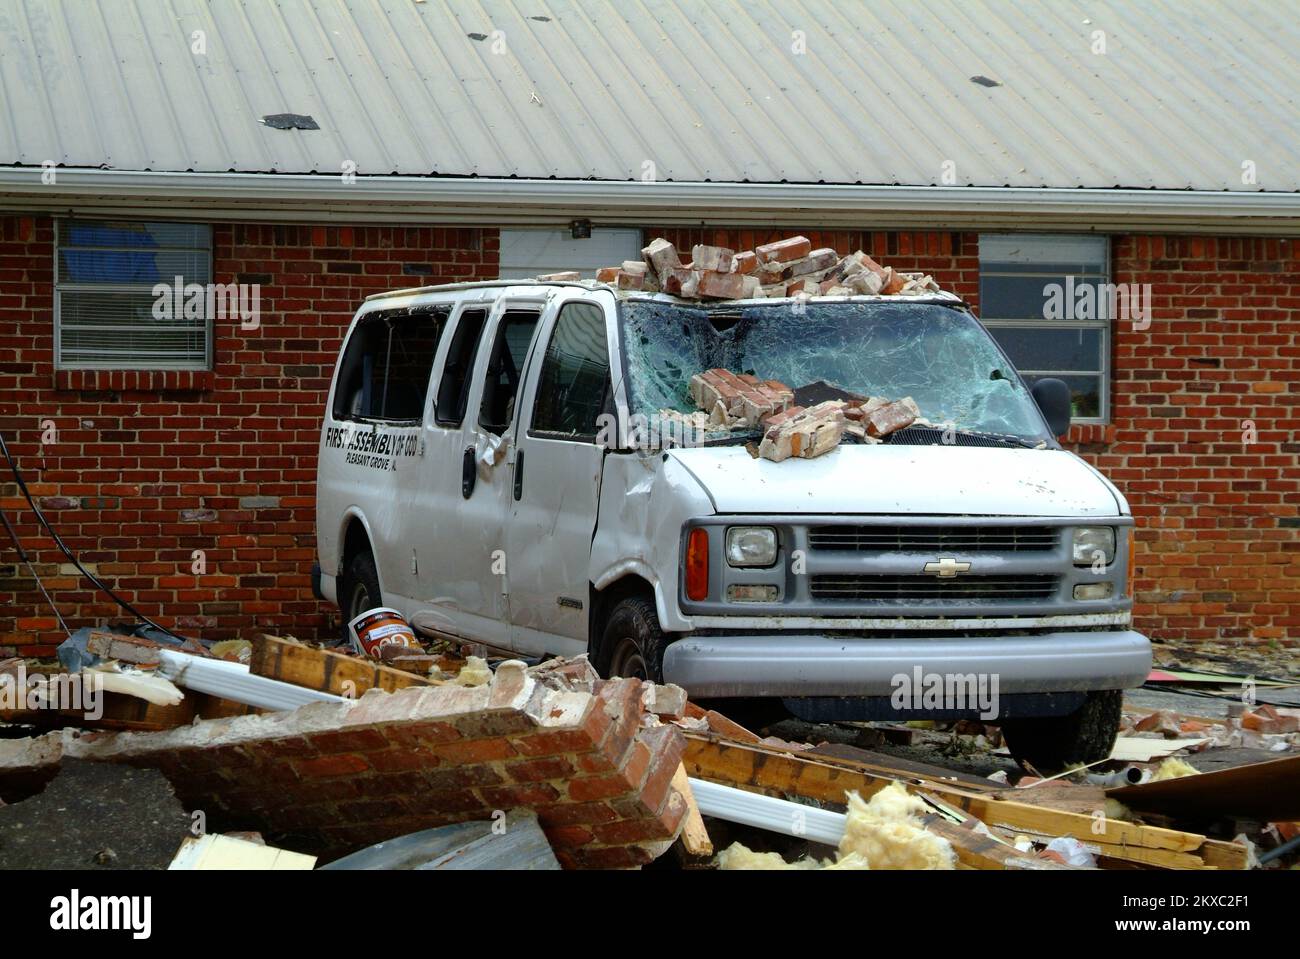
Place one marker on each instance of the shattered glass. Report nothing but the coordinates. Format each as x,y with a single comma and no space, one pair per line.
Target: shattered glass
940,356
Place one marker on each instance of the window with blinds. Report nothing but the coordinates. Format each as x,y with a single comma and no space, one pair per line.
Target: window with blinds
1019,275
107,310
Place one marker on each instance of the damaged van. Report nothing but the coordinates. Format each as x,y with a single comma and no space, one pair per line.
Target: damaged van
527,466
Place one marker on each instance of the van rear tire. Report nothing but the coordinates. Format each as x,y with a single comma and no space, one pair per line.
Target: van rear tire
358,589
1053,743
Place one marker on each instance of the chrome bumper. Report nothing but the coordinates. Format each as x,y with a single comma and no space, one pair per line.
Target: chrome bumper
810,665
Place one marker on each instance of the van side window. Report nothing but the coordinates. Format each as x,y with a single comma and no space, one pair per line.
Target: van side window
574,388
505,368
453,389
385,370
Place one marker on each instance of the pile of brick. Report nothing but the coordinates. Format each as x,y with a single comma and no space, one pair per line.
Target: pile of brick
743,401
594,759
789,267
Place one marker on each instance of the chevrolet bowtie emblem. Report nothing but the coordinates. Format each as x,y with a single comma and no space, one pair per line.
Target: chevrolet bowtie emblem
946,568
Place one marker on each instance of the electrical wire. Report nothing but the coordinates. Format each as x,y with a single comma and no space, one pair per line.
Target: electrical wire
63,548
22,555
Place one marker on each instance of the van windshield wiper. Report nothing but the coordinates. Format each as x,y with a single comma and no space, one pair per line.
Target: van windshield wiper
1004,438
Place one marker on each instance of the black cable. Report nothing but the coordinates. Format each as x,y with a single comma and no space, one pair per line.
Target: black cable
58,541
26,560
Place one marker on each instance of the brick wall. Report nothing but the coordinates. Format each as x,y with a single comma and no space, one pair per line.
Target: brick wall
225,462
150,467
1219,540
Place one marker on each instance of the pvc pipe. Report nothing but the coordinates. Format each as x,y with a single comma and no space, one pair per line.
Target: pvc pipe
768,812
233,681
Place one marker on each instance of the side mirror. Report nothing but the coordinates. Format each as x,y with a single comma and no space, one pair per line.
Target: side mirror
1054,399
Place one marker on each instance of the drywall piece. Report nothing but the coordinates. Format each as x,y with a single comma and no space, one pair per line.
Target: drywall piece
213,851
1136,749
132,682
234,681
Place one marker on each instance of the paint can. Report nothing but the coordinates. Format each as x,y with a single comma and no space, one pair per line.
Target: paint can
376,628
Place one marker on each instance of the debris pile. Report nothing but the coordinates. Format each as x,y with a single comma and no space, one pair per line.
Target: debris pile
786,268
614,773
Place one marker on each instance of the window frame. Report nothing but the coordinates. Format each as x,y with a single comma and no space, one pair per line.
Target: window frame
467,383
1104,326
60,287
499,342
384,316
607,391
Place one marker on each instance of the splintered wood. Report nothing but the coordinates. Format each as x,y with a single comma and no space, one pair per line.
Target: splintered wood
772,771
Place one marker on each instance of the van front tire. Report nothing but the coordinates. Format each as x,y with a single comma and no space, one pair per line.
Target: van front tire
358,589
1053,743
632,644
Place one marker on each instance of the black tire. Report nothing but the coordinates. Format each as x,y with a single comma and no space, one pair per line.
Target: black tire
1052,743
358,589
631,642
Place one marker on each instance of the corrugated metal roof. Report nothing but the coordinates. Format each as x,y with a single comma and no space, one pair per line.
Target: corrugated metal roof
1185,93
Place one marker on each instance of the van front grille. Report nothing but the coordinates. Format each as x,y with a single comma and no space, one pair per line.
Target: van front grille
934,539
914,588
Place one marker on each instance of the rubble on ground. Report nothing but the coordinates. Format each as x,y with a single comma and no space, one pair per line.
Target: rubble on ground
615,773
785,268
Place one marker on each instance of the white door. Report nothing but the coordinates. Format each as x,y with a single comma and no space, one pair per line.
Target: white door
530,253
556,477
459,524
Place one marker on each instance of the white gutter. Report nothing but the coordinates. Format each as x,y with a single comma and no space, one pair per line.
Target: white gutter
768,812
235,682
489,201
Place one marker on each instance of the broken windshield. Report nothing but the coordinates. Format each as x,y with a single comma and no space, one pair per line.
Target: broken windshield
940,356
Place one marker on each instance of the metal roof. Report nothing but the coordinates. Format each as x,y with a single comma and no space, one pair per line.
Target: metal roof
1183,94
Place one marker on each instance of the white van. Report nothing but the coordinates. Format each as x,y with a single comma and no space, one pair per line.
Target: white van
497,462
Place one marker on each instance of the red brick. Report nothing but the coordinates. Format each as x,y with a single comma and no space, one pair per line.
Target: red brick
325,766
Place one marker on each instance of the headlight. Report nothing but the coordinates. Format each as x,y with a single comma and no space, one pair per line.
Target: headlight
751,546
1091,540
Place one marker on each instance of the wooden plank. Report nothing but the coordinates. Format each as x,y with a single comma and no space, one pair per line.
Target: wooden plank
978,851
779,773
326,671
694,836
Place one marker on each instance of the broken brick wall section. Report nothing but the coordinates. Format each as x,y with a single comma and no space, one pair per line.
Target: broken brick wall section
330,778
150,466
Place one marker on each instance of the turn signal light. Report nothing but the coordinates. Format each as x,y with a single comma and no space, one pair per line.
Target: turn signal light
697,565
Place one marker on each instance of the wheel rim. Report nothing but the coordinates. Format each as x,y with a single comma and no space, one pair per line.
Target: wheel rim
628,661
359,601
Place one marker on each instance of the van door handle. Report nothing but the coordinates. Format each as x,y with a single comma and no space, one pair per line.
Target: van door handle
468,473
519,474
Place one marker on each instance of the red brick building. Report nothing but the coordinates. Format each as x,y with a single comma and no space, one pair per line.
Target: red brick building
178,460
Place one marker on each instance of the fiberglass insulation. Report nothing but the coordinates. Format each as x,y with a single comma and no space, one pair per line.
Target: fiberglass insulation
882,833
